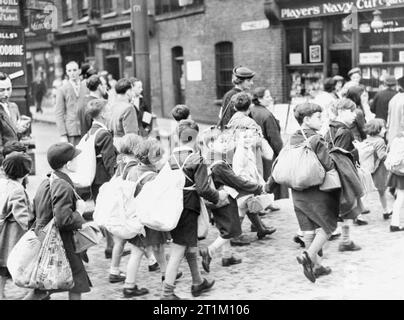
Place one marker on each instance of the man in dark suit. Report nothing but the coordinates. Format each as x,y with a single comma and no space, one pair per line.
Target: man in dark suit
141,108
97,86
12,125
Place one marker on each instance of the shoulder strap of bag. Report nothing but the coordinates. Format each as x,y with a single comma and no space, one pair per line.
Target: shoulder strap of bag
219,124
183,165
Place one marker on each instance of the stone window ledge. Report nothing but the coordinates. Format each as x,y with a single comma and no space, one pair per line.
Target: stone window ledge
179,14
67,23
109,15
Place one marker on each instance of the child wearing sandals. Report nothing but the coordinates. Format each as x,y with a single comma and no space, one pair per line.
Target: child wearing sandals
375,130
226,218
315,209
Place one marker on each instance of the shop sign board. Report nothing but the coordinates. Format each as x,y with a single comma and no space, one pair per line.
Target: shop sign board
370,57
111,35
297,11
10,13
12,54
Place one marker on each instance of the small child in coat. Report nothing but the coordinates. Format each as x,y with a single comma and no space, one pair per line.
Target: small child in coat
16,210
375,130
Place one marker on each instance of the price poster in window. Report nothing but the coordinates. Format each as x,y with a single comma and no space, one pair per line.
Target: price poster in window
315,53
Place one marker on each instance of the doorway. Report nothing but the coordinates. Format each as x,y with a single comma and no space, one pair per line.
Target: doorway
178,75
113,66
340,62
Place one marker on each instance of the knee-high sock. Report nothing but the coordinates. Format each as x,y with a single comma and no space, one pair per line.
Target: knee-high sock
192,259
216,245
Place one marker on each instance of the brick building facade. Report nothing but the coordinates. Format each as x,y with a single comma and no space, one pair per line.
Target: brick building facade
183,38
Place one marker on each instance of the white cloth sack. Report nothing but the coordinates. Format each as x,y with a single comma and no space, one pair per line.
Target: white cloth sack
86,161
22,259
115,208
160,202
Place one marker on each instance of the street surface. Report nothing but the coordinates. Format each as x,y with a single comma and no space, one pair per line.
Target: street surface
269,269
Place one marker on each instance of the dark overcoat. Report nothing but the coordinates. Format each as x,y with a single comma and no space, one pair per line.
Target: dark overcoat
61,203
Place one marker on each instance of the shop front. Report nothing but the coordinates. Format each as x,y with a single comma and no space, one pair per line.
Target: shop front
115,52
327,38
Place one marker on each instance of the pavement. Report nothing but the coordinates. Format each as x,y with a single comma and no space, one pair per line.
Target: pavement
269,270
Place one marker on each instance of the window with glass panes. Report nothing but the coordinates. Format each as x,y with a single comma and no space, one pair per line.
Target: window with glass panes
108,6
224,68
83,8
166,6
67,10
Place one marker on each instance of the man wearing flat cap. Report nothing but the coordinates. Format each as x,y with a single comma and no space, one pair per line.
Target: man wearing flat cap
242,80
380,104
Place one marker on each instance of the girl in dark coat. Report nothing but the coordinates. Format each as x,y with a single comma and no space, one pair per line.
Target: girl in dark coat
271,130
15,209
315,209
185,234
56,198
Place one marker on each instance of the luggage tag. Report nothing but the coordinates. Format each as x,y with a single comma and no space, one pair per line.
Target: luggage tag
231,191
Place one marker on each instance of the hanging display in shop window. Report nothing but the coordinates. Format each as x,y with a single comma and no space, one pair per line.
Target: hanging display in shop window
314,53
370,57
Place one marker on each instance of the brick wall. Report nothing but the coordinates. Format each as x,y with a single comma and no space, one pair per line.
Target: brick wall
260,50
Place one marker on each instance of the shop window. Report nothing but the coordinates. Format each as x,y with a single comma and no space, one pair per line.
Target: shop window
109,6
304,45
67,10
224,68
166,6
83,8
178,75
340,32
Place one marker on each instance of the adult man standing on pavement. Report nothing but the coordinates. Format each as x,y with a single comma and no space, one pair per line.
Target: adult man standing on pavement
97,86
67,99
123,114
380,104
12,125
142,110
395,119
242,80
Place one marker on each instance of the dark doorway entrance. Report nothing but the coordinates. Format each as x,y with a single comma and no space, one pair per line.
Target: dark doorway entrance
340,62
178,75
112,65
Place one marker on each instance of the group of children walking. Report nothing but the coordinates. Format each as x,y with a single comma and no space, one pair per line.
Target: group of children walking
210,174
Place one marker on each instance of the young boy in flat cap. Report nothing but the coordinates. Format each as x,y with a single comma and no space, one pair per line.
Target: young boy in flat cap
56,197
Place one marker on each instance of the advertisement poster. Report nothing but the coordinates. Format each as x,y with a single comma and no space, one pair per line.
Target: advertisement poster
10,13
315,53
12,54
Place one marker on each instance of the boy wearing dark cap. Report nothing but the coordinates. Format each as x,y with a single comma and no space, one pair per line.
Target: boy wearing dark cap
56,198
242,80
15,209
